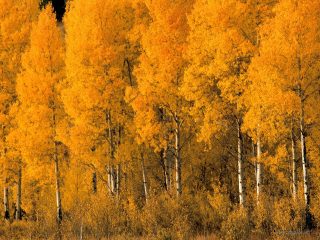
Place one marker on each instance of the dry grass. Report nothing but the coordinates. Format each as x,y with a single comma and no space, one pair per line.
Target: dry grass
23,232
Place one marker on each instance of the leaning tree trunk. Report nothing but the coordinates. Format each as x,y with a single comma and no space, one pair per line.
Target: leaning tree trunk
178,156
144,178
294,166
6,202
240,165
259,169
19,194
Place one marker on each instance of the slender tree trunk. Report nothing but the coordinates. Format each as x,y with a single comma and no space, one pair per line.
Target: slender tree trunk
127,62
109,177
178,156
113,180
118,180
56,167
125,176
81,230
169,164
254,157
240,165
164,162
305,163
6,202
259,169
144,178
58,191
167,167
305,169
94,182
112,172
294,166
19,194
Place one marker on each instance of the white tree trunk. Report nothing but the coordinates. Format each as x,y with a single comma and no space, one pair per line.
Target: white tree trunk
56,168
305,170
113,180
304,167
58,191
6,202
259,169
109,177
240,166
178,157
294,166
81,230
112,172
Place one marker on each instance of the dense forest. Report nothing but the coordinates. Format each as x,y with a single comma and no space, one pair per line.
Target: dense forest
167,119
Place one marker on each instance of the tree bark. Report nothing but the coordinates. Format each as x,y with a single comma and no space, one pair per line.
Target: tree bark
259,169
254,157
240,165
6,202
305,166
118,180
305,163
294,166
94,182
56,165
19,194
169,164
113,179
58,191
127,62
111,171
144,178
178,156
165,166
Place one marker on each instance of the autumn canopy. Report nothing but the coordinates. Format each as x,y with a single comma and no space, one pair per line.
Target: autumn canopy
166,119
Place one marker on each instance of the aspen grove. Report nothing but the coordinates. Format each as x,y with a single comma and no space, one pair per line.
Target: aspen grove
167,119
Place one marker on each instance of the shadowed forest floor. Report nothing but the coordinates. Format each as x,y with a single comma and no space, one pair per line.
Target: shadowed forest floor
24,231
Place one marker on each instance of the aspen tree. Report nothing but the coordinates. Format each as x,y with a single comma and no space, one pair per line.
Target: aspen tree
289,61
15,24
158,104
38,89
96,39
220,46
